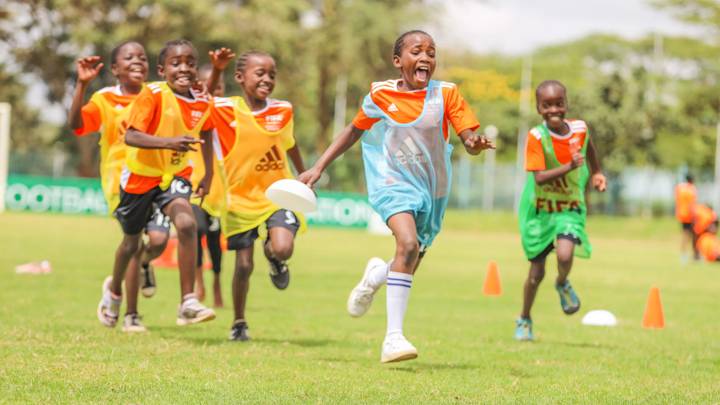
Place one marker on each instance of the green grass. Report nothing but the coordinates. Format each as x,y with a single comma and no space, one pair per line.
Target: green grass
306,349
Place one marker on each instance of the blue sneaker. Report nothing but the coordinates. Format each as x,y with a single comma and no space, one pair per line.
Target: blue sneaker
569,301
523,329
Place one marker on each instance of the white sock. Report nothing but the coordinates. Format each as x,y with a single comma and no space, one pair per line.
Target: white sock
378,275
398,294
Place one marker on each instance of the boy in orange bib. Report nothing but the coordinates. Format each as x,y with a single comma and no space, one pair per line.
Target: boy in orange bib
167,120
256,138
104,113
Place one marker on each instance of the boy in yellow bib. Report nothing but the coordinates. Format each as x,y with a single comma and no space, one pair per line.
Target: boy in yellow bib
104,113
167,120
256,138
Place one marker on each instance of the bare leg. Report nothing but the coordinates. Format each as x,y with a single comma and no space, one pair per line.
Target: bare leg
182,217
132,283
125,251
282,243
407,248
241,280
535,277
564,249
157,241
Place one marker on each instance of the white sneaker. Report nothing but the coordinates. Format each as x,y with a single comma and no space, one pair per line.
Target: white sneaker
192,311
361,296
109,307
132,324
397,348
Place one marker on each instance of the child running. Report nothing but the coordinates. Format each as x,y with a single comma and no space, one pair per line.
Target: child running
104,113
207,213
167,120
552,210
403,124
256,138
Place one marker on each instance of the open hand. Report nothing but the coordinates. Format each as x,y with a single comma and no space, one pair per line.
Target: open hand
88,68
182,143
221,57
478,143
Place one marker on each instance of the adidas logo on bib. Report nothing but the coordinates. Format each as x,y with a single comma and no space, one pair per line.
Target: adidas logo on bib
393,108
271,161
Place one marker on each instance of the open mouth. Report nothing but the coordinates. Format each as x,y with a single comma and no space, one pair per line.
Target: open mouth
422,74
137,71
183,81
264,88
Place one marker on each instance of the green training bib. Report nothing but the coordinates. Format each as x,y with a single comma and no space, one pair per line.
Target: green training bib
553,209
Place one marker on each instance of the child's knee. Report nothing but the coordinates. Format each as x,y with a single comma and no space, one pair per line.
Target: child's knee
282,250
157,241
185,224
536,276
243,269
129,245
409,250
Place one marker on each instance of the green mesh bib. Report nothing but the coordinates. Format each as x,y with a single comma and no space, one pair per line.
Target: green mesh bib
556,208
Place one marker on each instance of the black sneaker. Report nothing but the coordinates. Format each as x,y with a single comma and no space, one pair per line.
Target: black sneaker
279,273
147,280
239,332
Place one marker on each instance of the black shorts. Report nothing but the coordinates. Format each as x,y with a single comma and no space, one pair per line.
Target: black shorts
550,247
158,222
281,218
135,210
687,226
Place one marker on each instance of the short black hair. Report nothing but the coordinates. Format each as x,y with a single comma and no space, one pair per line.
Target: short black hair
400,41
115,51
689,178
243,58
548,83
170,44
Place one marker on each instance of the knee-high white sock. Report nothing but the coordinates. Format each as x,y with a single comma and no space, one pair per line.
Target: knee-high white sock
378,275
398,294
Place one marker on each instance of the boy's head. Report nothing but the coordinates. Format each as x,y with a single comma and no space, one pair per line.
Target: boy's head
414,56
204,75
129,64
255,72
177,64
551,98
689,178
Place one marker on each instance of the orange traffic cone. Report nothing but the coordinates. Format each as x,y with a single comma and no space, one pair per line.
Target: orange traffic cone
492,280
168,258
654,317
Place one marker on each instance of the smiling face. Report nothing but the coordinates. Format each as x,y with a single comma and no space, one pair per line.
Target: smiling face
179,68
552,105
130,65
416,61
257,77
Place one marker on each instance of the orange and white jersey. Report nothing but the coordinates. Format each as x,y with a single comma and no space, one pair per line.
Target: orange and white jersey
406,106
563,145
159,111
105,111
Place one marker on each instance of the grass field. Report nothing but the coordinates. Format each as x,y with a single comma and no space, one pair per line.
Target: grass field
306,349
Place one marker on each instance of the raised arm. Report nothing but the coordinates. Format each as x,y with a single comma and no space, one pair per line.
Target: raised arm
87,70
219,59
345,139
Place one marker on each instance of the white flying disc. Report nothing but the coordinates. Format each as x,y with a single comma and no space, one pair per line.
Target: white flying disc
599,317
292,195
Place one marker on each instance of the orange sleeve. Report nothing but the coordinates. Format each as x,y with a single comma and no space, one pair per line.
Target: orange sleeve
91,119
143,111
208,124
221,118
534,155
458,111
362,121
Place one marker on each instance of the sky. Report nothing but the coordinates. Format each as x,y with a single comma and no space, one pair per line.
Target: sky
518,26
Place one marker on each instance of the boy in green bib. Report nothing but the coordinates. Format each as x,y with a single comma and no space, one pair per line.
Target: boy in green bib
552,209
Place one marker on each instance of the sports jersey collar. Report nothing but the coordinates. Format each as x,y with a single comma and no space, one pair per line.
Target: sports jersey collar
558,136
397,81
